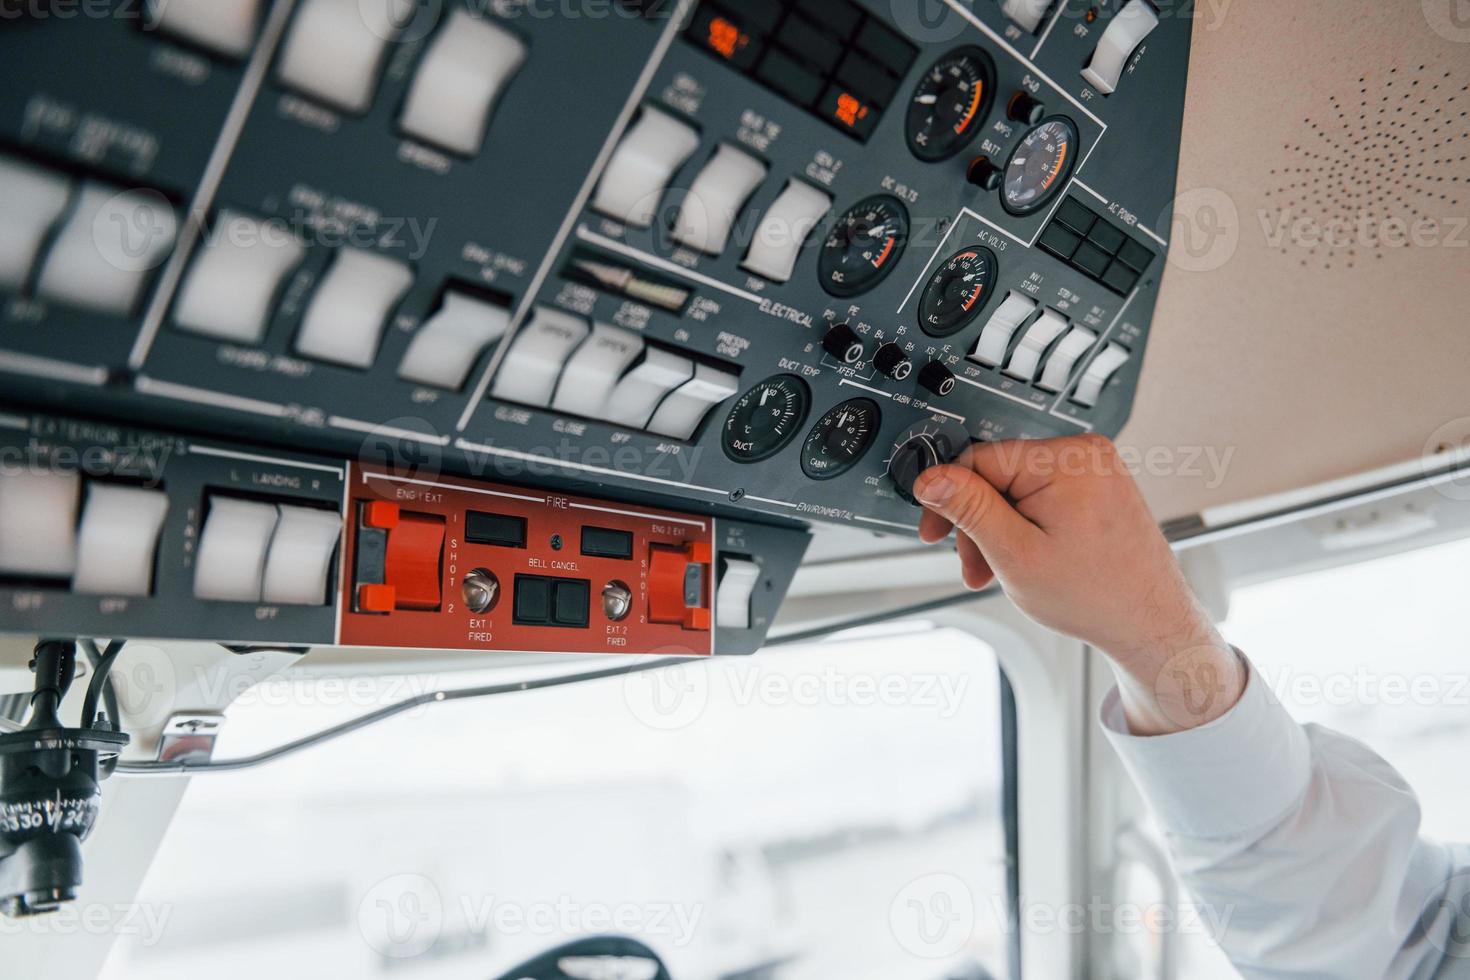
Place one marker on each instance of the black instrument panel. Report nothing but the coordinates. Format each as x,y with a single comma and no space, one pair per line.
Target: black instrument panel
602,318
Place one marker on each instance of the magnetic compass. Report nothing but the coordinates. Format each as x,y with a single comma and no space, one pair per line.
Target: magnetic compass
864,245
766,418
951,103
840,438
1040,165
957,292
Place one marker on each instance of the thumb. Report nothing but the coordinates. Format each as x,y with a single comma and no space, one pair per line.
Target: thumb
976,508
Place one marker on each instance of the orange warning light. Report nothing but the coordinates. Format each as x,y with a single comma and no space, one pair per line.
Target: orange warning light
850,109
726,38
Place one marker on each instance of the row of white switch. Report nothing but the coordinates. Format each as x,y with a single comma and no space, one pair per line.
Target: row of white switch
1125,32
278,554
1025,361
334,51
233,283
651,153
599,371
95,245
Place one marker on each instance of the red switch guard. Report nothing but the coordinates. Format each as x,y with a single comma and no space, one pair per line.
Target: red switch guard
419,598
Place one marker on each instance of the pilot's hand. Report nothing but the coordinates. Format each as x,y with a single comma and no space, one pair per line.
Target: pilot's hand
1064,529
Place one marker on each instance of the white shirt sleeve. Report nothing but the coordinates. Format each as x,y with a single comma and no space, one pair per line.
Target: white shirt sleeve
1303,847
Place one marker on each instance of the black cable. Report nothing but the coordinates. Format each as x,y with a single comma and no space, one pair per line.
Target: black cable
109,690
101,671
466,694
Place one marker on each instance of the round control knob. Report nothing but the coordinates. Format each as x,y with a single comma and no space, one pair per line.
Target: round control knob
892,361
843,343
984,174
912,457
937,378
481,591
1025,109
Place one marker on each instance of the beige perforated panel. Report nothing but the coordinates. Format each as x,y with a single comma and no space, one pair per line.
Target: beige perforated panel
1315,318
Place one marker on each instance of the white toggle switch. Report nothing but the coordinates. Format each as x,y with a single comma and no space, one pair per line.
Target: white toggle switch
680,414
1059,366
235,277
1098,374
447,346
107,249
334,48
642,166
30,206
784,229
642,388
1037,339
118,540
529,372
38,522
230,562
593,372
1125,32
995,339
344,323
1027,13
737,586
715,199
224,26
299,562
459,81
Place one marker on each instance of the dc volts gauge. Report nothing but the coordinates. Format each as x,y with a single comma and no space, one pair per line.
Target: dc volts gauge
864,245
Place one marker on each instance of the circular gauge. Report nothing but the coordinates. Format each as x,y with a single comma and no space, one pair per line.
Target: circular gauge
958,292
766,418
951,103
864,245
1040,165
840,438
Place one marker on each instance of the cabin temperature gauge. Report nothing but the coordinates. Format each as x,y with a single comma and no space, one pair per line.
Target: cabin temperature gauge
840,439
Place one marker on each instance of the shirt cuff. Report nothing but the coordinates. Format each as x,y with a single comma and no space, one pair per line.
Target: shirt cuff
1237,775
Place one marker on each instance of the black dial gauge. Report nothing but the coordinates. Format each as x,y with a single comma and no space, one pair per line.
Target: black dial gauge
951,103
1040,165
765,418
840,438
864,246
958,292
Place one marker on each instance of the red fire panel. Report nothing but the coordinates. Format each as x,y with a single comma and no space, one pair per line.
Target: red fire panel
553,550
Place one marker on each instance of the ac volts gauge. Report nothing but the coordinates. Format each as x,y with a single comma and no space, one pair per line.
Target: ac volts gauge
957,292
1040,165
864,245
951,103
840,439
766,418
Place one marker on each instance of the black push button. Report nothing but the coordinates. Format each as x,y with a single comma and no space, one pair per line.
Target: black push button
837,16
573,598
1059,241
1091,259
758,15
500,530
1135,255
863,77
603,542
783,74
810,44
532,600
887,47
1076,216
1119,278
1106,237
